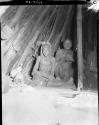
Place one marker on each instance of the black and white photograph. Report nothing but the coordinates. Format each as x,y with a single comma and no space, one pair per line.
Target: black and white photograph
49,64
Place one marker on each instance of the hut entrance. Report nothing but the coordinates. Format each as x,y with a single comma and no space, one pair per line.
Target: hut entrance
54,42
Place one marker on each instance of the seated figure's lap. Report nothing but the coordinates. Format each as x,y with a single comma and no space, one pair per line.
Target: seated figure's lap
64,71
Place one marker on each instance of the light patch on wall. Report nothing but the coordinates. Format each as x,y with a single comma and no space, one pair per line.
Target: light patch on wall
2,9
94,5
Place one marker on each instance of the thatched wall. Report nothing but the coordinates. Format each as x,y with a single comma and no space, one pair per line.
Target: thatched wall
27,25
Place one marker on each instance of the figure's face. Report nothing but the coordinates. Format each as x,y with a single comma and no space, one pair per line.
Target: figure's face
46,50
67,44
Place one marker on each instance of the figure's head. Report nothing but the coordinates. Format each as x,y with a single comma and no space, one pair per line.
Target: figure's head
46,49
67,44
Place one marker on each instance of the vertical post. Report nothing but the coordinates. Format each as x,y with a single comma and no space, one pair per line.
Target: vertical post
79,46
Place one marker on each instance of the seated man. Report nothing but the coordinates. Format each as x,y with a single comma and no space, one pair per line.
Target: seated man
43,71
64,59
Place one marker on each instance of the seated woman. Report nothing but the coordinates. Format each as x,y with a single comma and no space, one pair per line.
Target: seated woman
64,59
43,71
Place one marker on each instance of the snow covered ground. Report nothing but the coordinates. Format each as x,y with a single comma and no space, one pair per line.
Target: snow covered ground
49,106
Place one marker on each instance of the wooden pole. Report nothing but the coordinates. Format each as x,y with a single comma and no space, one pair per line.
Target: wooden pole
79,46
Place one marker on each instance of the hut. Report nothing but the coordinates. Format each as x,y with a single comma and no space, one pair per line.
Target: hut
24,28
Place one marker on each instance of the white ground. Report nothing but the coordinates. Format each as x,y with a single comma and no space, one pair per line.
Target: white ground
49,106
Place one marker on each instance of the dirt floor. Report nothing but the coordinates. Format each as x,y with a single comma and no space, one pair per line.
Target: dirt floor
49,106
